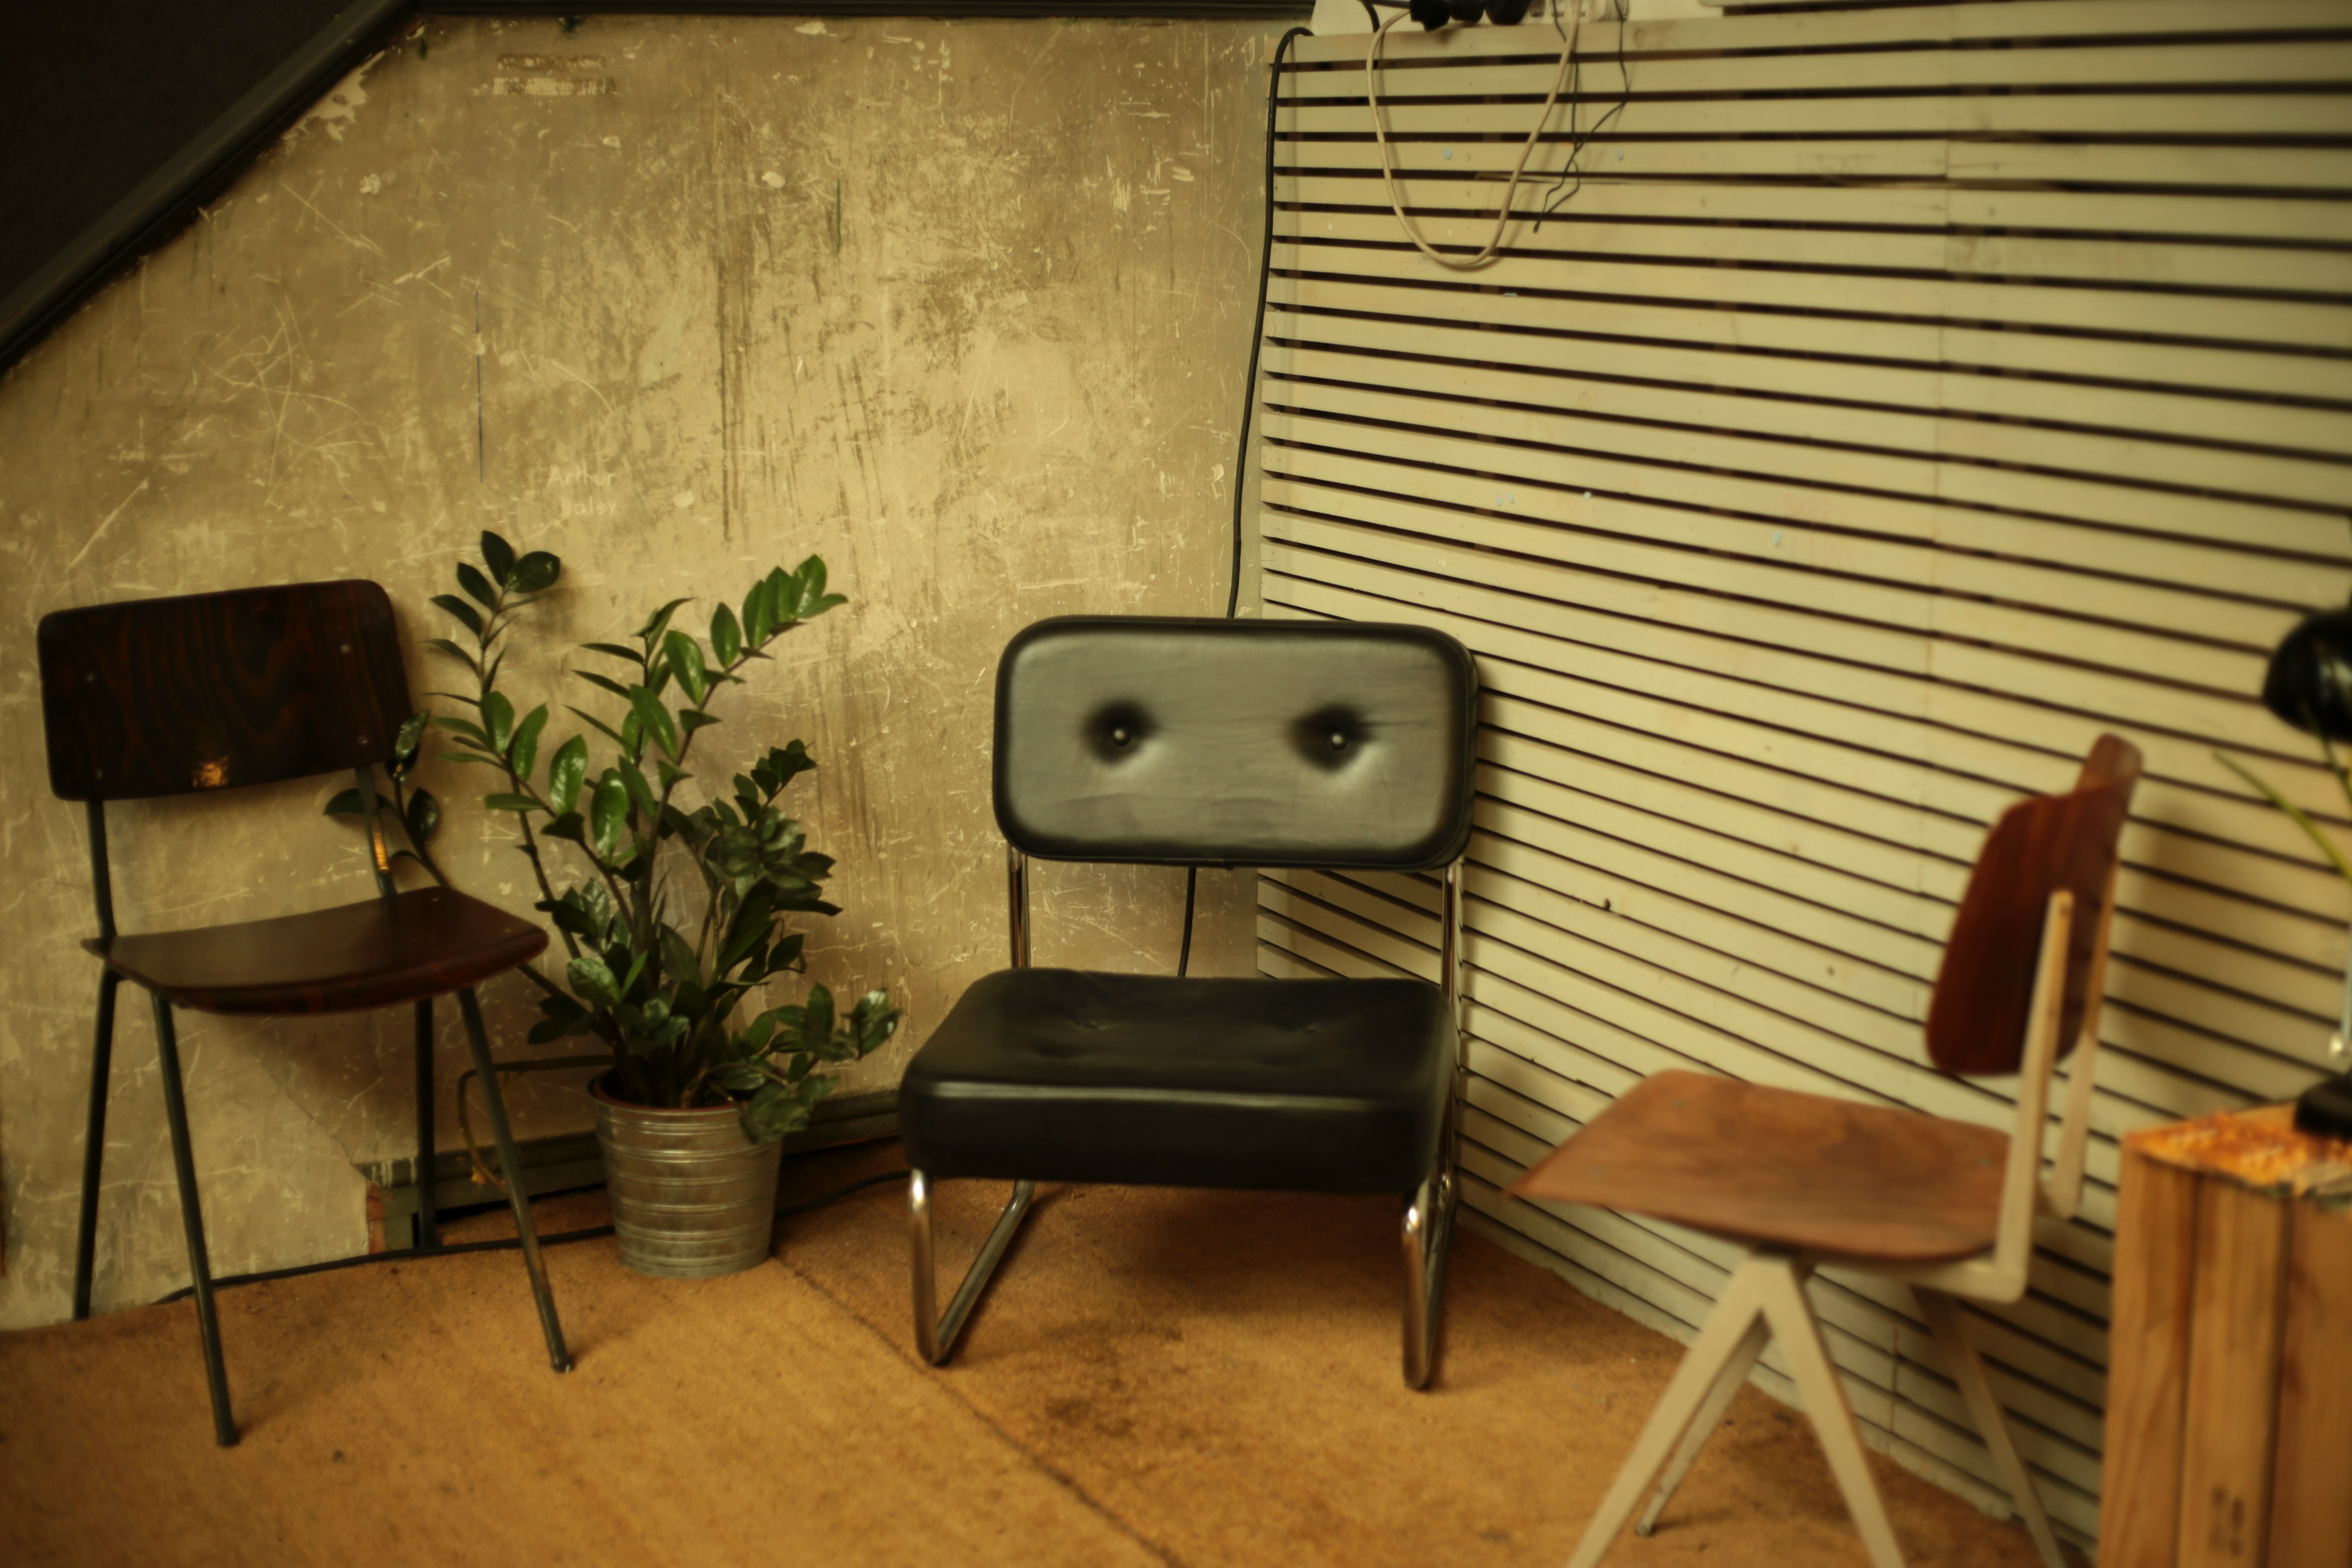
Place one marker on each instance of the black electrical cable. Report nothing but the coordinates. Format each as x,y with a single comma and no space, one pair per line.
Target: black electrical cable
505,1244
1249,405
1574,168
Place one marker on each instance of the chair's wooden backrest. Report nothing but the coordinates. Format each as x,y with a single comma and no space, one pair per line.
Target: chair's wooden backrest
1235,742
1977,1019
157,697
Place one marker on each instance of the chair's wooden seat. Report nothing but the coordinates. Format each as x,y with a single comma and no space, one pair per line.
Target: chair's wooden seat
1785,1169
378,953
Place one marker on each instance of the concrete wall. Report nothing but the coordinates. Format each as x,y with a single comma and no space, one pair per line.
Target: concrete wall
961,307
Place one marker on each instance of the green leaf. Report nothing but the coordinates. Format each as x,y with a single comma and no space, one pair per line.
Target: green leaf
604,682
655,622
591,979
564,771
610,809
497,556
424,815
477,587
411,732
466,727
690,719
468,617
567,826
536,573
498,719
344,805
442,644
511,803
641,794
654,719
634,656
685,663
600,727
726,635
759,615
671,777
524,753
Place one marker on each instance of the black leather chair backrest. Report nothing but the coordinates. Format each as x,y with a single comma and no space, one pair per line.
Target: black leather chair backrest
1215,743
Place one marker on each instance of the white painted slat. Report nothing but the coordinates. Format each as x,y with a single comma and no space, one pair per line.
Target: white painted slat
2210,316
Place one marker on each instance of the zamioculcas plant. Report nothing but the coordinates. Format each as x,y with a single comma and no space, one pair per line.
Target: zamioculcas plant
679,916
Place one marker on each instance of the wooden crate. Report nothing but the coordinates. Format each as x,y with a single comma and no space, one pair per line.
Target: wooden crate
2230,1382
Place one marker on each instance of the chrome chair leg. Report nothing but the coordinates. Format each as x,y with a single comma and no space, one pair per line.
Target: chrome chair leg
936,1336
191,1218
93,1144
1427,1233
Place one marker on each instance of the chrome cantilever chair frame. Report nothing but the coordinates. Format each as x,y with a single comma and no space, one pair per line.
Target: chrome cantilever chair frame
1425,1235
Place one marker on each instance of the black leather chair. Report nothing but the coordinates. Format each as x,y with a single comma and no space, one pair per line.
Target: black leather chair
1211,742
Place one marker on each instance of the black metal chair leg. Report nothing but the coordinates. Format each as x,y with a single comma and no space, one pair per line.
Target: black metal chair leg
428,1216
93,1144
510,1167
184,1161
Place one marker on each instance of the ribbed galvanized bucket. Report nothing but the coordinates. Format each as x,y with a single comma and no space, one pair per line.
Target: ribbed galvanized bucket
693,1198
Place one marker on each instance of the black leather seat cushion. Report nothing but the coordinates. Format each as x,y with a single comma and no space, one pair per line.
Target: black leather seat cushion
1068,1076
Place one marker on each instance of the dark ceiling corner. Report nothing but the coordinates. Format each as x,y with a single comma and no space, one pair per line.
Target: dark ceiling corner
123,116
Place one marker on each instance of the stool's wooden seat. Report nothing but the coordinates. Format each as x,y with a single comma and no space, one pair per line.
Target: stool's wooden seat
1785,1169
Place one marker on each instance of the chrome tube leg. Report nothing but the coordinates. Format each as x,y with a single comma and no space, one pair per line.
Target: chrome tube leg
510,1167
191,1218
429,1215
93,1144
936,1337
1427,1233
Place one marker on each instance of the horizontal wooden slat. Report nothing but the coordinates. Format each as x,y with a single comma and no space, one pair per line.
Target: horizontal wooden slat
2290,324
1713,224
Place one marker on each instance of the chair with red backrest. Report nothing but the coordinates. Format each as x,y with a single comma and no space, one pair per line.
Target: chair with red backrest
211,691
1944,1206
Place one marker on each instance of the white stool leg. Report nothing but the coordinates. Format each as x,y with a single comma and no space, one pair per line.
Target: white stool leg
1968,1371
1727,1383
1723,1336
1792,1317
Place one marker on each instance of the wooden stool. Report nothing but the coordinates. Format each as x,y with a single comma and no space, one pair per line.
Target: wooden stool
2230,1381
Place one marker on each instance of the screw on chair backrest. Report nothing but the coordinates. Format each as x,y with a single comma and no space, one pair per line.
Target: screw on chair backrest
1213,743
1977,1019
157,697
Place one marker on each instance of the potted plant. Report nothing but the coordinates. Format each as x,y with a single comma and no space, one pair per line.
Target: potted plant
679,917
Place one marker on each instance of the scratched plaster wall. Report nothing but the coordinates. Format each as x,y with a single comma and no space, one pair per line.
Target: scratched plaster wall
961,306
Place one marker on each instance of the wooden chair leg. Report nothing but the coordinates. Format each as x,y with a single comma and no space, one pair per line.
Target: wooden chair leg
1724,1334
93,1144
1727,1383
1792,1317
191,1218
510,1167
1968,1371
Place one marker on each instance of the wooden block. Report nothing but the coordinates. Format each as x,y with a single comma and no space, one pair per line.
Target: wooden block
2311,1503
2156,1253
2233,1367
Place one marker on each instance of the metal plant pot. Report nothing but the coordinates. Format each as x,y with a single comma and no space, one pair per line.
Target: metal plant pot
692,1197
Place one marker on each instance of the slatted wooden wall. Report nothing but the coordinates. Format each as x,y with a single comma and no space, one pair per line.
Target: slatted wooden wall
1902,397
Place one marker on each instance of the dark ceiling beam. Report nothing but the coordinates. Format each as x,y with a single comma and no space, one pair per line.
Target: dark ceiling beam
163,202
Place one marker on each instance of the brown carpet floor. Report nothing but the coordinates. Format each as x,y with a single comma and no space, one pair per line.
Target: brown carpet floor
1157,1378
